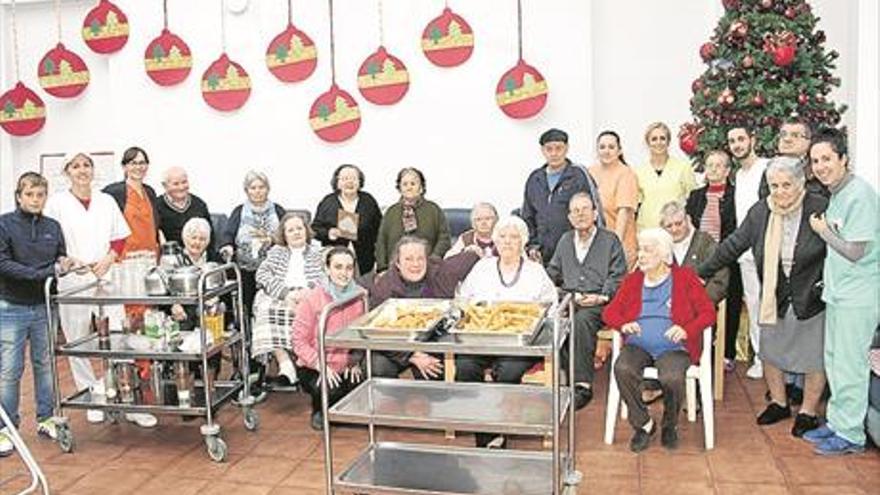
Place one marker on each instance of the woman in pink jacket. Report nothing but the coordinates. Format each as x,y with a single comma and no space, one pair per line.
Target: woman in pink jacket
343,367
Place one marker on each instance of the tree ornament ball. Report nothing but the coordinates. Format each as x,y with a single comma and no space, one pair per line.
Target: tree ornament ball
697,85
739,29
291,56
748,61
803,99
105,28
335,115
448,40
767,4
784,55
730,4
22,112
383,78
707,51
521,92
226,86
758,100
791,13
62,73
168,59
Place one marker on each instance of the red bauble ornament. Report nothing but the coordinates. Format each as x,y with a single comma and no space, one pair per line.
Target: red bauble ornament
758,100
382,78
783,55
697,85
689,138
62,73
292,56
791,13
22,112
105,28
748,61
707,51
730,4
738,30
335,115
726,97
521,92
167,59
225,85
448,40
767,4
803,99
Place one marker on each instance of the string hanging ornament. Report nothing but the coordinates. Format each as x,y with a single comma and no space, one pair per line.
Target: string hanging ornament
522,91
62,73
105,28
292,55
382,77
448,40
334,116
22,112
167,59
226,86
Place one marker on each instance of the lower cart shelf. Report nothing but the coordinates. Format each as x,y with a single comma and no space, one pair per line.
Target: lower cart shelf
396,468
223,392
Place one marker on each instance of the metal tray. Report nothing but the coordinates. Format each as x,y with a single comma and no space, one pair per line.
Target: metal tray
503,338
364,325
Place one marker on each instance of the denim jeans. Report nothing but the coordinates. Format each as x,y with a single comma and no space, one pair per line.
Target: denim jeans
19,323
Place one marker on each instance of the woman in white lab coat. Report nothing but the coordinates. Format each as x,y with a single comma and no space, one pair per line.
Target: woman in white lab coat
94,232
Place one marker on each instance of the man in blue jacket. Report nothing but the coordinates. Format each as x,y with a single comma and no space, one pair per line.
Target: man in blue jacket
548,191
31,251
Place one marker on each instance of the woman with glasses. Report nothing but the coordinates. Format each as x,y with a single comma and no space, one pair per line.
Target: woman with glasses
138,202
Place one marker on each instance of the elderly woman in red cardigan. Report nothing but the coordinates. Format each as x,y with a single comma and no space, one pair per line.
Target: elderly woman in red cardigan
661,309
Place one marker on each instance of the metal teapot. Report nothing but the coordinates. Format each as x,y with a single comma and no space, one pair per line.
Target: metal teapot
170,255
155,283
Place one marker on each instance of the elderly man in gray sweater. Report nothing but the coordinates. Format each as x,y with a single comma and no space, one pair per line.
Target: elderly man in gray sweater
588,262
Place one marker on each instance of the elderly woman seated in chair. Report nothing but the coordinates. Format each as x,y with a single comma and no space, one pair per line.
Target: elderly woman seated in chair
510,276
662,309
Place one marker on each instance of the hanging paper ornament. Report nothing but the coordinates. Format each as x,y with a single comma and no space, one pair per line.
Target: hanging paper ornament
335,115
105,28
63,73
225,85
448,40
292,55
522,91
22,112
167,59
383,78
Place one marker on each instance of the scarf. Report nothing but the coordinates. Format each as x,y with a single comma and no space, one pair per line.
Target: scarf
710,222
408,215
174,207
772,248
335,292
254,236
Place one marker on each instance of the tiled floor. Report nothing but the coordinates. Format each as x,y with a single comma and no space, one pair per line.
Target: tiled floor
285,455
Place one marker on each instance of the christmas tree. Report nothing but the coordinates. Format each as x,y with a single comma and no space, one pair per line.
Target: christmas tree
766,62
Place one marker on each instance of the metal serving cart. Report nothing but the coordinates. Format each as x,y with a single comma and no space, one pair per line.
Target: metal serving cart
400,468
208,395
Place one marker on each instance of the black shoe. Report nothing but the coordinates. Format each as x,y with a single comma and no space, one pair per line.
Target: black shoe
280,382
582,396
804,423
642,438
669,438
795,394
774,414
317,422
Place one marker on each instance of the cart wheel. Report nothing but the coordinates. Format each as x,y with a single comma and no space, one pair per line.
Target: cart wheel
251,419
217,449
65,439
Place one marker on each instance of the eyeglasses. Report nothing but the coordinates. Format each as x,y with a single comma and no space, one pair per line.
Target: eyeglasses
138,163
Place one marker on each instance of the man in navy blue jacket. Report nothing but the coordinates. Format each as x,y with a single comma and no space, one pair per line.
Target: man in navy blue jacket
31,250
548,190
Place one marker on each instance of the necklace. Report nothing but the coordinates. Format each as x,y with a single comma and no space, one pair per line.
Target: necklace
515,277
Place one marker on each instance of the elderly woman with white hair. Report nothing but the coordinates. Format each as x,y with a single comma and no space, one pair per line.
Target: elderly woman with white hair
510,276
790,257
483,219
661,309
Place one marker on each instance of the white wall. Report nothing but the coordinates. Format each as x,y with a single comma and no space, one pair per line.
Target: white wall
447,124
610,64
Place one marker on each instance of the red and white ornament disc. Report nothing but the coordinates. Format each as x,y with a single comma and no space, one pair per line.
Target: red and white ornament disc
62,73
167,59
105,28
521,92
448,40
335,115
382,78
22,112
225,85
292,56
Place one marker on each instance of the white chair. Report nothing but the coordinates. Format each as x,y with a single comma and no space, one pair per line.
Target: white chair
701,373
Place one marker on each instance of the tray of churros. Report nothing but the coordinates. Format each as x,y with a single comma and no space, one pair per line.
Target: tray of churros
500,322
401,318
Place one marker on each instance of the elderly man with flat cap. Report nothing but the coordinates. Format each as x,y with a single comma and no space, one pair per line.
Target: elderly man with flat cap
547,193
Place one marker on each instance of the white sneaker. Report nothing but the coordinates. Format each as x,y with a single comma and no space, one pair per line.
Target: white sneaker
756,371
6,446
95,416
48,428
143,420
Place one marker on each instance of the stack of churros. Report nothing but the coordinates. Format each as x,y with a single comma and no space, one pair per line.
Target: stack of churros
505,317
406,317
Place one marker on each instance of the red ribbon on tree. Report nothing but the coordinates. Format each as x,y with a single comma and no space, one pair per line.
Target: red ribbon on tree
689,137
